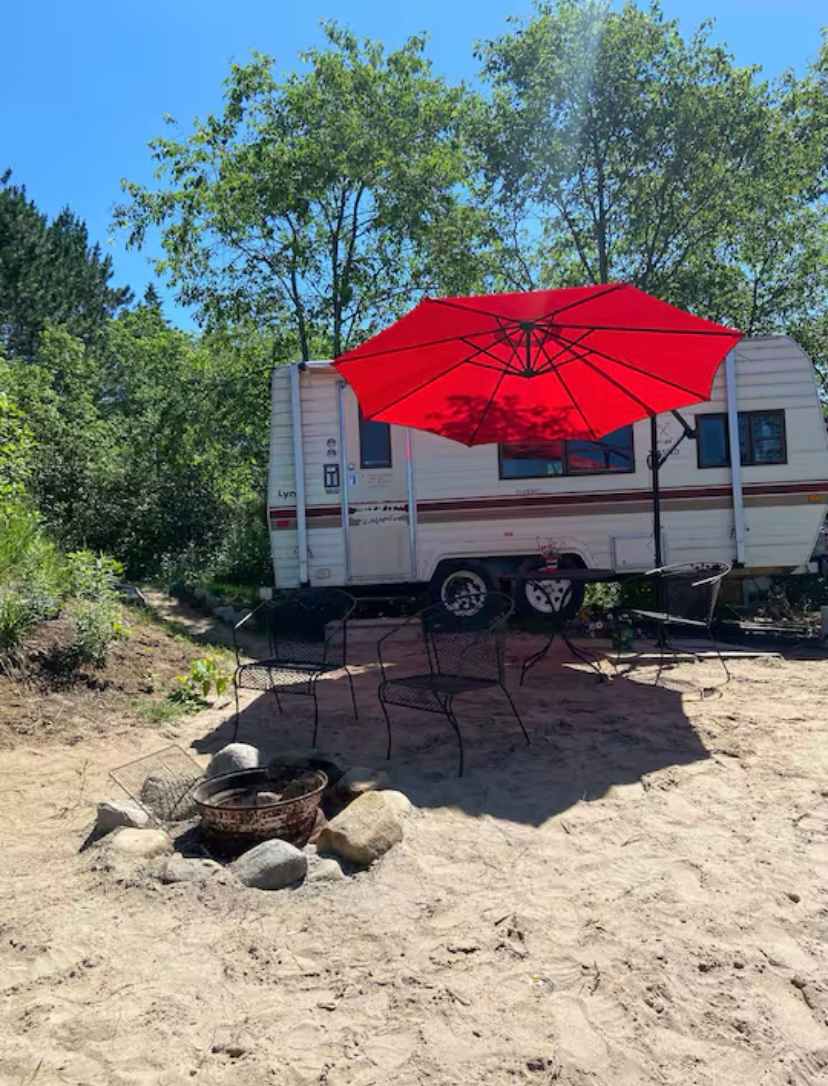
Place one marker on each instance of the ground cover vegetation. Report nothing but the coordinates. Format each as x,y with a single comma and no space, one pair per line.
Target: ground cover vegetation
317,205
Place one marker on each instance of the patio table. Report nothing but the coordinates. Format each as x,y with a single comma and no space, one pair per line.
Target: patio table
557,619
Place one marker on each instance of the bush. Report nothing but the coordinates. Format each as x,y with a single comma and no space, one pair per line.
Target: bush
32,575
241,557
16,619
92,576
94,610
97,623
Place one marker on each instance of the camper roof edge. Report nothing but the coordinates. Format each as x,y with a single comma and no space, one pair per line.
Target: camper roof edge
299,470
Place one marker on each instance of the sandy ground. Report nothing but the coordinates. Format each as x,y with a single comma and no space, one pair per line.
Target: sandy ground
640,897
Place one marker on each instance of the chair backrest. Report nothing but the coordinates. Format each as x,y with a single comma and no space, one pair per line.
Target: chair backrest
309,626
468,644
691,591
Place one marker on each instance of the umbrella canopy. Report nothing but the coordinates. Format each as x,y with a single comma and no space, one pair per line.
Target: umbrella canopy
578,362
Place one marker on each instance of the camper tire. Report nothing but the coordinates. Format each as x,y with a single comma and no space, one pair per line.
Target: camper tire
462,585
563,597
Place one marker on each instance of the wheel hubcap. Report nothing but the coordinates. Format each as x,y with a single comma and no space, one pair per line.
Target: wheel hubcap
549,597
464,592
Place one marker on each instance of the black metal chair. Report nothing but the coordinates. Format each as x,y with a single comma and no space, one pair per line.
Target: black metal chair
308,638
465,655
684,595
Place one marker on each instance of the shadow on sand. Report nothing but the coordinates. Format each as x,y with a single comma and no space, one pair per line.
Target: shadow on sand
587,737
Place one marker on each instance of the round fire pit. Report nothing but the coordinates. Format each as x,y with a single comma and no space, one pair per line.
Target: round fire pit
254,805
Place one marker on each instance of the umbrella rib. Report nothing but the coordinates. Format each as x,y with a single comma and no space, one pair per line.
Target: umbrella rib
565,387
506,334
469,308
630,395
431,380
410,347
582,301
552,363
649,331
627,365
486,409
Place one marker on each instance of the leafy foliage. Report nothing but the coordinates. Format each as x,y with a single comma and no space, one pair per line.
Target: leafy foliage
626,152
206,674
323,203
49,274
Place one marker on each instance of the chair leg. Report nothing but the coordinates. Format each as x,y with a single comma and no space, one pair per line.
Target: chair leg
535,658
236,692
722,660
452,719
315,710
387,724
662,645
516,714
353,695
275,693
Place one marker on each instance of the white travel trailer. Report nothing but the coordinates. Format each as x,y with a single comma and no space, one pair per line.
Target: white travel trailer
359,503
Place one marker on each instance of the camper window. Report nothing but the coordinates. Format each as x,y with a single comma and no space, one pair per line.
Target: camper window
374,443
762,439
613,453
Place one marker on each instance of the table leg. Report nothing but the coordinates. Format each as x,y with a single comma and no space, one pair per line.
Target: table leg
530,661
583,657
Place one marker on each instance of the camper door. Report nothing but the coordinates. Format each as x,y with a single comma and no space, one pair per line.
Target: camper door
377,534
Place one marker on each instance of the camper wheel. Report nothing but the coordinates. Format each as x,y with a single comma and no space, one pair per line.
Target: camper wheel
462,585
561,597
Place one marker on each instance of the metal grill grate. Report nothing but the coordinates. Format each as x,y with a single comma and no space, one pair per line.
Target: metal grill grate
161,783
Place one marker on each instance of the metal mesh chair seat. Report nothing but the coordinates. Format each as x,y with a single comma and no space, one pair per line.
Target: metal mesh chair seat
465,654
278,668
308,637
685,594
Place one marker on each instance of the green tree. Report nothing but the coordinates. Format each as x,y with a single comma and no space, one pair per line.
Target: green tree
15,447
49,274
326,201
625,152
74,454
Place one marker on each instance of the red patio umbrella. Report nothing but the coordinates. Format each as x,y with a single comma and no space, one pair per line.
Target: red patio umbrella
578,362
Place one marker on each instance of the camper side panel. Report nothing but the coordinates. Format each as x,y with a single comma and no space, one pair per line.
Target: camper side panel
320,443
281,484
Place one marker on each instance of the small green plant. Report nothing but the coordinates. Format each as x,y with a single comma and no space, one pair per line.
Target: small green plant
206,675
97,623
16,619
92,576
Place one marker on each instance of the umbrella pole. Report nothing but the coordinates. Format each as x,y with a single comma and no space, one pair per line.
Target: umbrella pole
655,465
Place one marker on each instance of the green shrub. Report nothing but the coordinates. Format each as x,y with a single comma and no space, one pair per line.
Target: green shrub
32,574
92,576
97,623
16,619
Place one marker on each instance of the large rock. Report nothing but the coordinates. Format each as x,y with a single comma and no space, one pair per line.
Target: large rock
272,865
324,869
187,869
112,815
142,844
367,828
361,779
233,758
169,796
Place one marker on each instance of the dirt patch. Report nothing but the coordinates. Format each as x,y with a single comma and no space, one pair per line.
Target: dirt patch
638,899
41,701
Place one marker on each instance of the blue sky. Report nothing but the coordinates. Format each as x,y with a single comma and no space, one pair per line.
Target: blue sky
85,84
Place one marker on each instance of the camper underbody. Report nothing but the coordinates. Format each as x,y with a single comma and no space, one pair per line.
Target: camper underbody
356,503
